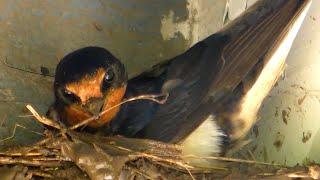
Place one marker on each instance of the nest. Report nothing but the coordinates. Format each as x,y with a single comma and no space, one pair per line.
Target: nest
66,154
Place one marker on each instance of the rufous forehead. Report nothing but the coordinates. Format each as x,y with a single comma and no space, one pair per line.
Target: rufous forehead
88,87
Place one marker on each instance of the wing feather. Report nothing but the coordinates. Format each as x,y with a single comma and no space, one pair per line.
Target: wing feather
214,67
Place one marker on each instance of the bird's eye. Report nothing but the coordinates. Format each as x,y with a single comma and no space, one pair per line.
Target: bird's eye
69,96
109,76
67,93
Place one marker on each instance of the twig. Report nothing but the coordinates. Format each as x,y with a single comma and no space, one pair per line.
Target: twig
156,158
25,116
192,177
23,127
180,164
56,158
28,162
15,154
44,141
151,97
296,175
3,120
252,155
138,171
11,136
14,132
24,70
231,160
266,174
42,119
39,174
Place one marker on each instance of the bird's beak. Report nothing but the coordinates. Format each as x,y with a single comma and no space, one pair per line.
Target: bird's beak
95,106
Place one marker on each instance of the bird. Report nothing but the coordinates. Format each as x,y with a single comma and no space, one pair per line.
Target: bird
214,89
83,80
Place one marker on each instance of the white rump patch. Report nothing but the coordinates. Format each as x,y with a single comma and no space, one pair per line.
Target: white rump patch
204,141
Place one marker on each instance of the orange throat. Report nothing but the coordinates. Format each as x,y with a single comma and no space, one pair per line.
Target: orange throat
74,114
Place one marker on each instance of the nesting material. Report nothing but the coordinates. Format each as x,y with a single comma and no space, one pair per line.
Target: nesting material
64,153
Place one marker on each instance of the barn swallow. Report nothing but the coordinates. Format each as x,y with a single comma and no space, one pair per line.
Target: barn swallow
88,81
215,88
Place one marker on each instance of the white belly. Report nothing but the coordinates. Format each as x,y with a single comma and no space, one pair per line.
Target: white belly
205,141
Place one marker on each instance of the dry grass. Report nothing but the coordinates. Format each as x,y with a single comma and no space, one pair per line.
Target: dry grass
143,158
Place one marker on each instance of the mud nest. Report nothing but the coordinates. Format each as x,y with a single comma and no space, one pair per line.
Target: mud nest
66,154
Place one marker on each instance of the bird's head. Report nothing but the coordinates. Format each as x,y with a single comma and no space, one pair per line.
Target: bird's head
87,82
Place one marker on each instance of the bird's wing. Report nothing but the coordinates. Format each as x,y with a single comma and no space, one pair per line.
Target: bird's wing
214,67
135,115
195,70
